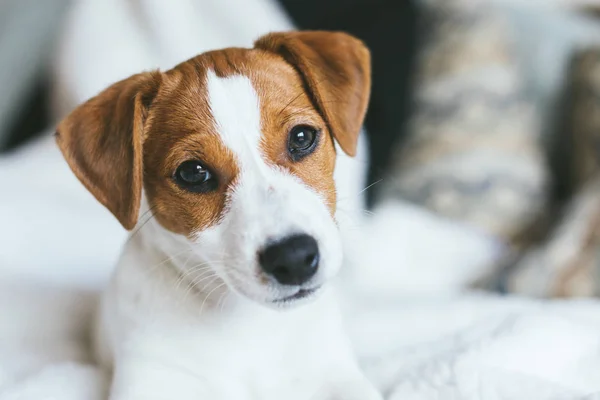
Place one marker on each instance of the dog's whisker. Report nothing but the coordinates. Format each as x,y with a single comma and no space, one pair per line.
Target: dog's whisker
371,185
204,264
222,301
191,253
290,102
209,294
202,269
203,277
194,285
180,279
355,195
199,267
147,212
140,226
186,274
170,258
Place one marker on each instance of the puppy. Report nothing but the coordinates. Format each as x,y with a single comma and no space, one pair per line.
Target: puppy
223,168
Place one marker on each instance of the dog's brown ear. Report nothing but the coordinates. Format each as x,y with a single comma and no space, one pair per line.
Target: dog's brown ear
336,69
102,143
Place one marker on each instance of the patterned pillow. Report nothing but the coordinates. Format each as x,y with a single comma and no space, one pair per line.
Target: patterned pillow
567,262
473,151
582,131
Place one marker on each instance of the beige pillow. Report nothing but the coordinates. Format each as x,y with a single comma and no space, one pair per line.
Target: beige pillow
473,151
567,262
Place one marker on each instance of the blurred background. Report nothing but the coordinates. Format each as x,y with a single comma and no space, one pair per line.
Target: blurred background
484,126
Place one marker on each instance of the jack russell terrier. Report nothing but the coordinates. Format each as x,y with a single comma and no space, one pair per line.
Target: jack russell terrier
223,168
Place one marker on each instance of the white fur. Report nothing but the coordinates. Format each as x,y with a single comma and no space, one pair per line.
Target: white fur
196,319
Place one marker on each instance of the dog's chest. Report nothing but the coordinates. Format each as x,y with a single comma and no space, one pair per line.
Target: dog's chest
250,353
273,356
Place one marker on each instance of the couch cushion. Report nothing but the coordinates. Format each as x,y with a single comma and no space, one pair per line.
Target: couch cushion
473,152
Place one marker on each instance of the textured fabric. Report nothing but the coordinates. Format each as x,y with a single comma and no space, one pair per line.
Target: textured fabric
473,152
466,347
566,261
582,108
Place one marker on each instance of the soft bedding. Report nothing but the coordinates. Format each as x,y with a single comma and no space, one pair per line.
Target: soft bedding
467,346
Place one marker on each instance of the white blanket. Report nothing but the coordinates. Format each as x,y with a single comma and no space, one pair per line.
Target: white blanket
456,347
57,246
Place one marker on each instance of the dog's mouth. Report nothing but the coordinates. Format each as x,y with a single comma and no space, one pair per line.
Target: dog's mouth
301,294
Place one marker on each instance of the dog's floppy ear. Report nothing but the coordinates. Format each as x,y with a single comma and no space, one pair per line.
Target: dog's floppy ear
102,143
336,69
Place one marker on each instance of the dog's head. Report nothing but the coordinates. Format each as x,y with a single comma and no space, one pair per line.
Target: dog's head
233,152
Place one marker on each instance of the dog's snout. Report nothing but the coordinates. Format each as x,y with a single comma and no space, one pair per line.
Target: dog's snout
292,261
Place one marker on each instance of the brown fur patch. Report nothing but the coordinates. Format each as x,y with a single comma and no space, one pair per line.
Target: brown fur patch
284,105
336,71
154,122
181,128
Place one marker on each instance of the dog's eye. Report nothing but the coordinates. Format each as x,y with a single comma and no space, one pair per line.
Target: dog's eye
193,176
302,141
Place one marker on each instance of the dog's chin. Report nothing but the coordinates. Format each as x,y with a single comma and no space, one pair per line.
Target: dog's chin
291,298
300,297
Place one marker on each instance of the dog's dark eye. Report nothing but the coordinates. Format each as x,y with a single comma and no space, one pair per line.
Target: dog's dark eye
302,141
193,176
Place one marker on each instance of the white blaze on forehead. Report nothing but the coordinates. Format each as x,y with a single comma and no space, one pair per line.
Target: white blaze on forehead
268,203
235,107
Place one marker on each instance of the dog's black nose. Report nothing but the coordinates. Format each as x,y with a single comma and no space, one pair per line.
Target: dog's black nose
292,261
